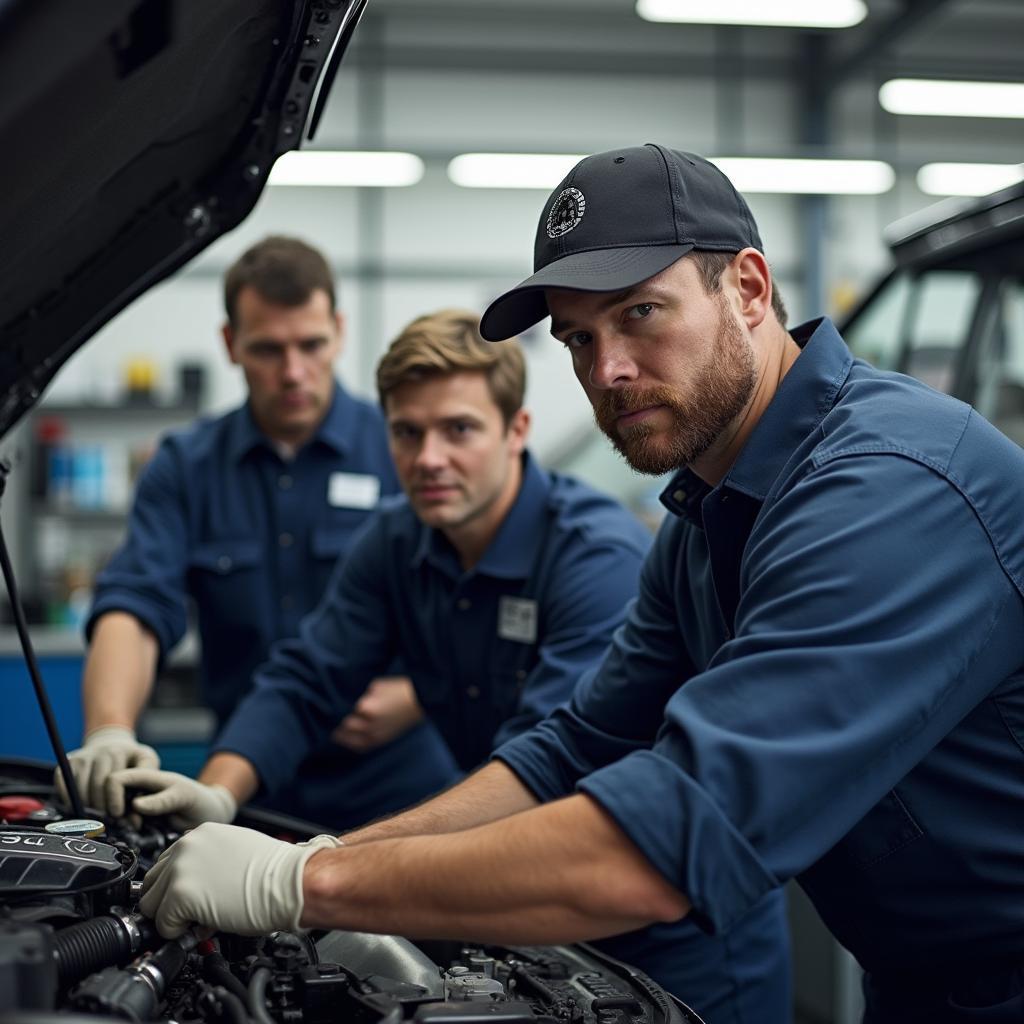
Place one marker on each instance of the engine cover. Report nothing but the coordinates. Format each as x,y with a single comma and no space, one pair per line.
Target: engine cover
34,861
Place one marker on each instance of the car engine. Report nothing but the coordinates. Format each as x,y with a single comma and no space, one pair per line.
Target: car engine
73,945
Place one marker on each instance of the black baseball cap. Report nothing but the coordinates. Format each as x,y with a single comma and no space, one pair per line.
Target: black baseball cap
619,218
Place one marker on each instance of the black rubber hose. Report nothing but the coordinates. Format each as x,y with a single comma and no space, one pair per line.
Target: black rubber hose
258,996
169,960
234,1008
217,1004
217,971
81,949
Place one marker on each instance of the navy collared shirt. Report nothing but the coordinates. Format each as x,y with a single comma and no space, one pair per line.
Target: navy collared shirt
490,650
822,679
220,518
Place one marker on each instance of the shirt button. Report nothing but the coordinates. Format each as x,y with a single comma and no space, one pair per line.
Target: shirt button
285,540
679,496
473,692
287,601
520,674
463,604
284,481
224,563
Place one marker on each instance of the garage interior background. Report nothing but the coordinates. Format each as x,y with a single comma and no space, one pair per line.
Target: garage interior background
451,77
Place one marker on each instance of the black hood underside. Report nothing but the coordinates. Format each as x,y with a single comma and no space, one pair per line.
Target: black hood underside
134,133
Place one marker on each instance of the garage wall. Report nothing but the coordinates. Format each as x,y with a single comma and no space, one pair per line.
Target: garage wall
402,252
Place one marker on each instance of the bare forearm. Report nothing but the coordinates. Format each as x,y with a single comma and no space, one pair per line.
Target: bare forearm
119,671
234,772
491,793
557,873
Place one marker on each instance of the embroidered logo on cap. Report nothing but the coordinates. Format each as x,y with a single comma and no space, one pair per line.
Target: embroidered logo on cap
566,212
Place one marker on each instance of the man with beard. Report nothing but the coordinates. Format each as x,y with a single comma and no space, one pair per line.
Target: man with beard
822,677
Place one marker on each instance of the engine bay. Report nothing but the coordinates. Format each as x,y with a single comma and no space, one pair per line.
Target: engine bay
72,941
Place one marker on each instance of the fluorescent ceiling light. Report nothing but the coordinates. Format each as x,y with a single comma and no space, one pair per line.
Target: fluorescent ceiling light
967,179
330,168
810,177
787,13
935,98
511,170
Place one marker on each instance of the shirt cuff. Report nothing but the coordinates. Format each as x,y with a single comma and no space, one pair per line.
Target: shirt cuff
529,756
267,736
684,834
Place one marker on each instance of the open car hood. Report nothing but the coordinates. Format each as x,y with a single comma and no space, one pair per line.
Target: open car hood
135,133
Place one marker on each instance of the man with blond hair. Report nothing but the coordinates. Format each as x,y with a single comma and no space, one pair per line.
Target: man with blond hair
498,585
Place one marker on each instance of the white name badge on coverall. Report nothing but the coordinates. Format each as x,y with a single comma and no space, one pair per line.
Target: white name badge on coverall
517,619
353,490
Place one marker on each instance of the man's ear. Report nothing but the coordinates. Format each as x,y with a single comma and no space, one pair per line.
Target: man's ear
339,328
518,431
753,283
228,334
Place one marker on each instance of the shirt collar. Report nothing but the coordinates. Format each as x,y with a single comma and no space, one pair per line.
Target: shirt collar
511,554
806,394
336,429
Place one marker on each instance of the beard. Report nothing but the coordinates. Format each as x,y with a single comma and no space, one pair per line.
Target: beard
717,395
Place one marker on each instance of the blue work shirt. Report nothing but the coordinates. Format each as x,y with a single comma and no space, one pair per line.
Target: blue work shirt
491,651
220,518
822,679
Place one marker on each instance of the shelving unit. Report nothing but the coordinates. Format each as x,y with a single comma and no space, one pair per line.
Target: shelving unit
82,464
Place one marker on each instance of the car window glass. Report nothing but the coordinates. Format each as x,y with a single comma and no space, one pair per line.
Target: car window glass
943,306
876,333
1000,392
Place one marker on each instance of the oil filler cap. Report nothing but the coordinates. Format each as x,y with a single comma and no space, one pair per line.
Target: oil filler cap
77,828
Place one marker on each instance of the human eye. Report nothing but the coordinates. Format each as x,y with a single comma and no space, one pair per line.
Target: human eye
576,340
640,311
263,350
312,345
460,428
402,431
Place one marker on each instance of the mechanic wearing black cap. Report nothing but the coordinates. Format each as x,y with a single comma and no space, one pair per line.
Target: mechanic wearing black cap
822,676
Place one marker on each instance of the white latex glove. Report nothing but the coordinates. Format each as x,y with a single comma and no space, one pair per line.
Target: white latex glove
187,801
230,879
105,750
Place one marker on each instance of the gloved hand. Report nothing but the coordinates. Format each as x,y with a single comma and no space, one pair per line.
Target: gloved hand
105,750
187,801
229,879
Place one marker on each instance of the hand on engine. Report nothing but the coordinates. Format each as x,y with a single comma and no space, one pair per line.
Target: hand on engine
105,750
187,801
387,709
229,879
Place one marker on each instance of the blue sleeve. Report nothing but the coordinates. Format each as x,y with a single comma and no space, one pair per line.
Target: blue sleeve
146,576
592,586
618,704
874,616
309,683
